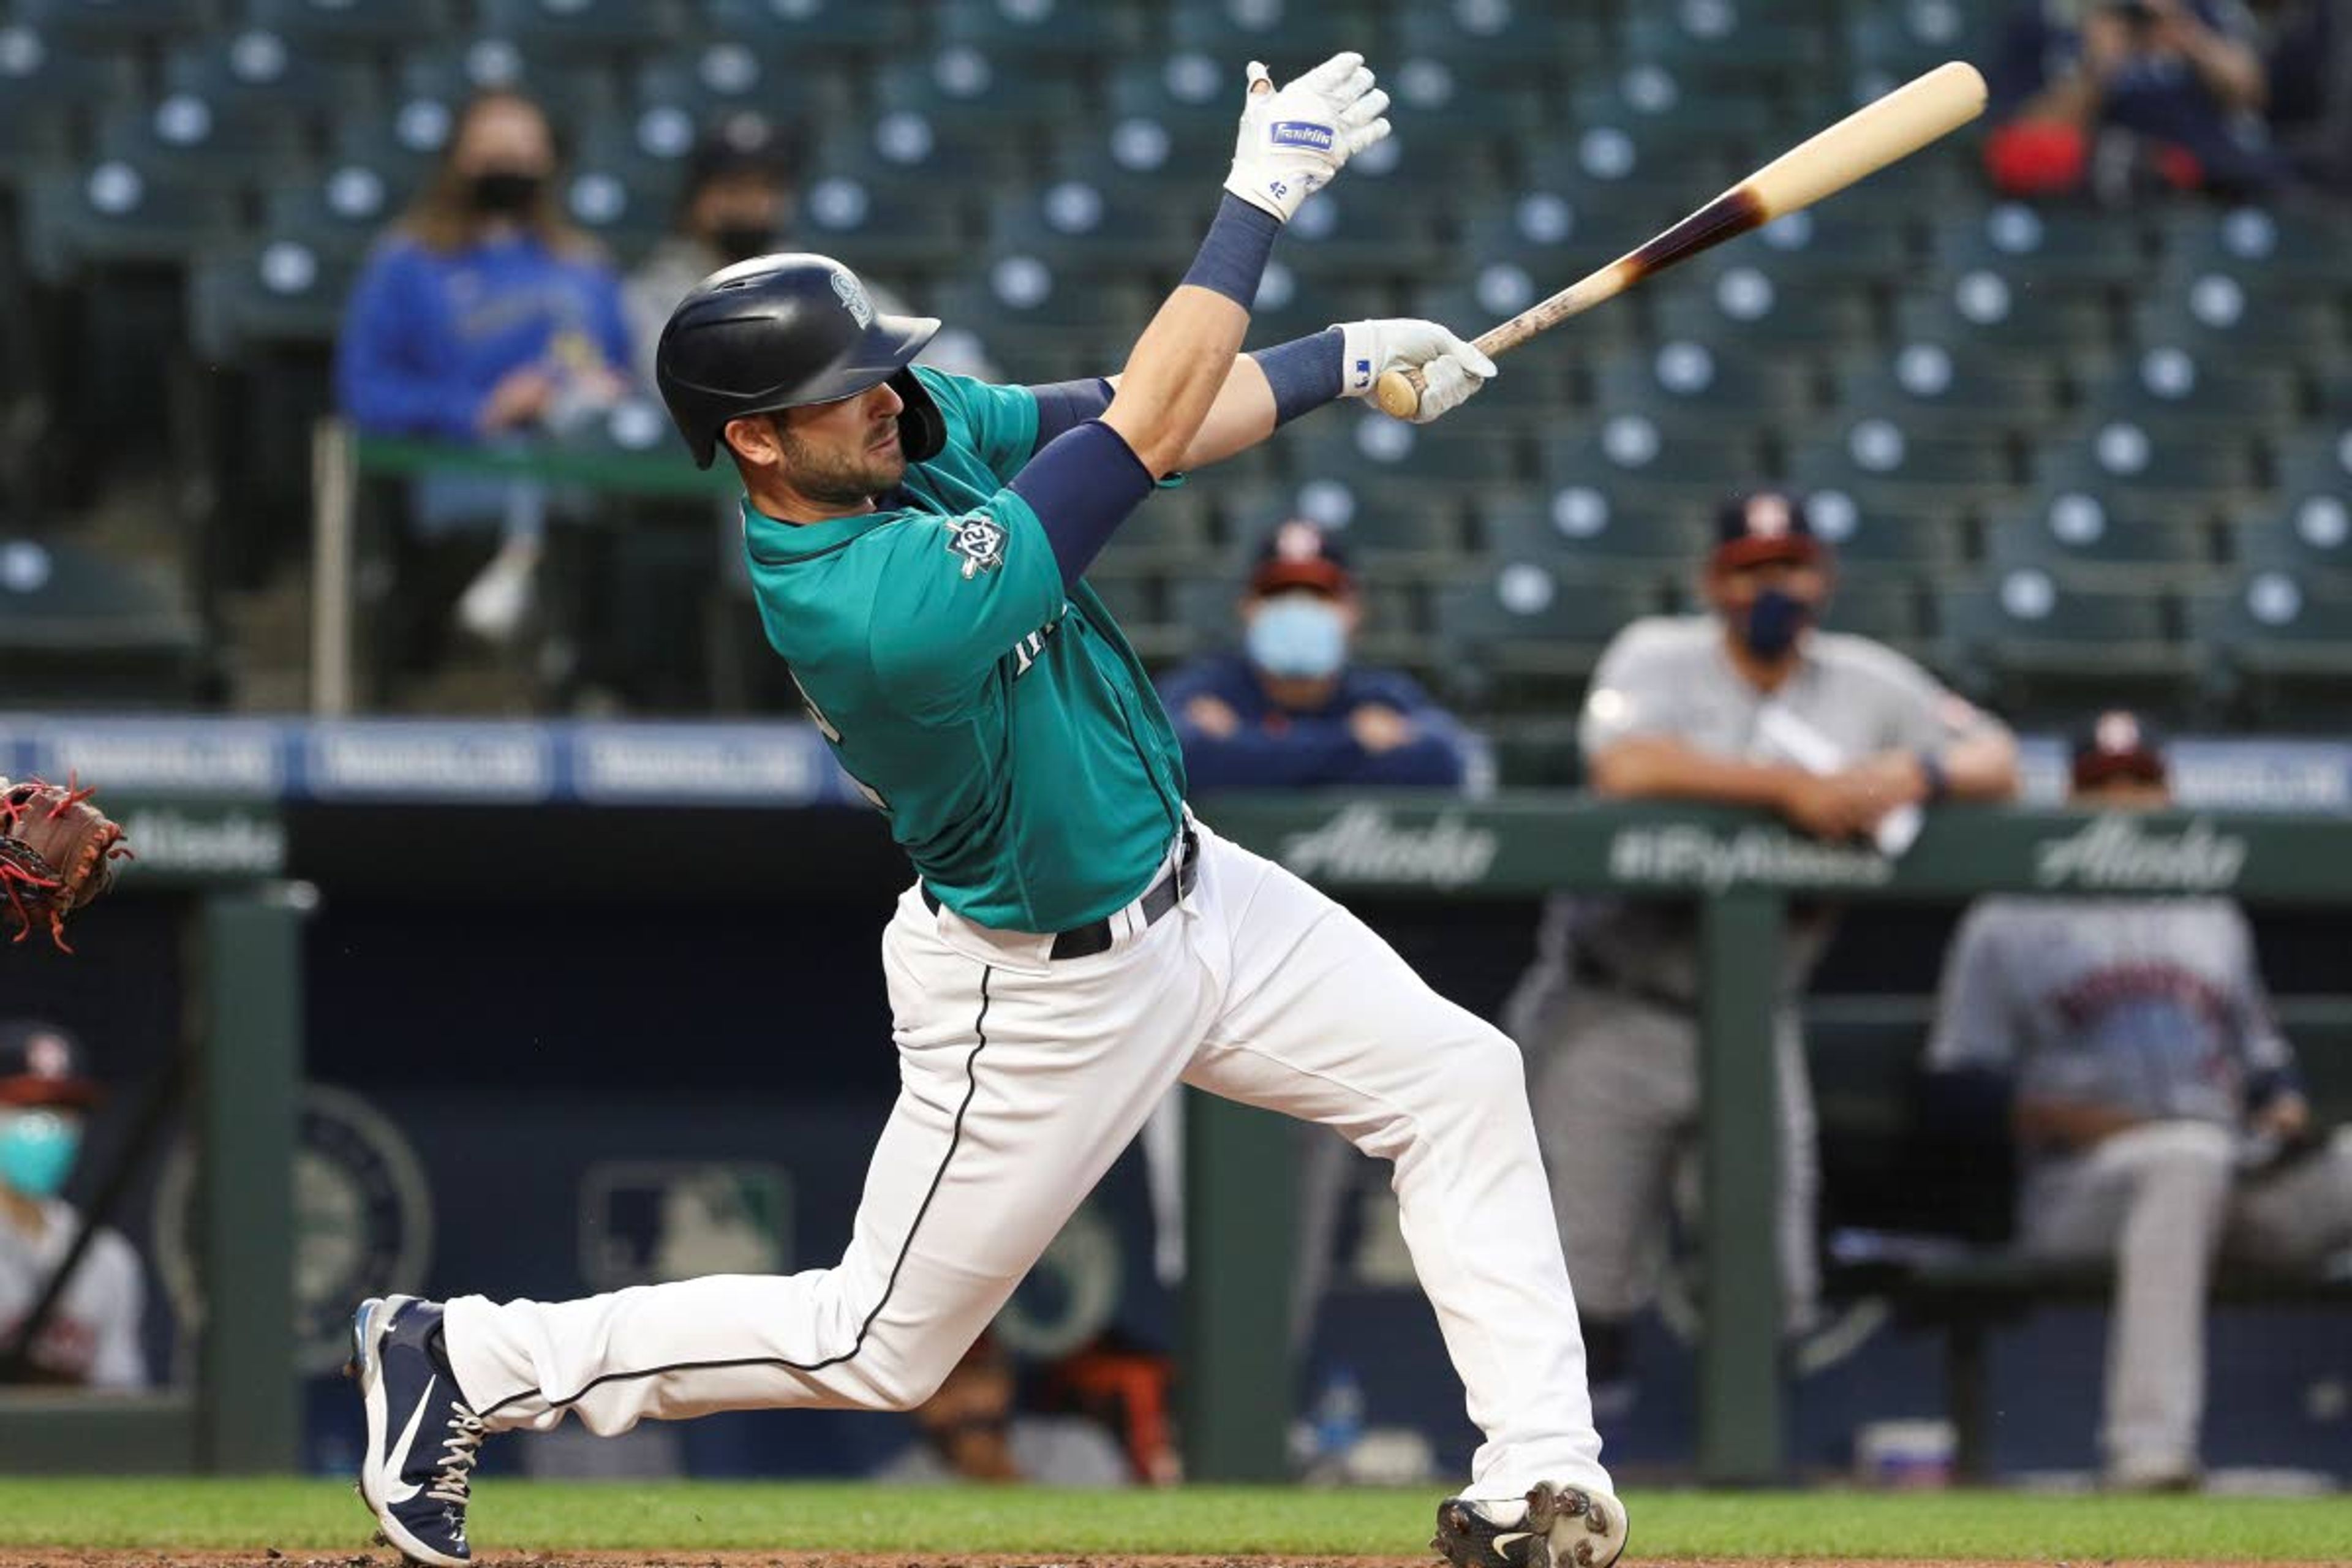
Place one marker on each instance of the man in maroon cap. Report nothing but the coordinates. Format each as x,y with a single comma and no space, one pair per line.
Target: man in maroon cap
1291,710
93,1336
1748,704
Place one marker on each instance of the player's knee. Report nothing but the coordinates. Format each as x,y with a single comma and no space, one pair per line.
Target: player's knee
2181,1150
906,1379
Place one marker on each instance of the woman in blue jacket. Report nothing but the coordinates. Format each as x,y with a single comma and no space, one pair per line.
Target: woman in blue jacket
485,317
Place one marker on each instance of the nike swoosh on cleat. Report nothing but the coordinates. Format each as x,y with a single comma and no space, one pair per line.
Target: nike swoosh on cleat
1504,1542
396,1462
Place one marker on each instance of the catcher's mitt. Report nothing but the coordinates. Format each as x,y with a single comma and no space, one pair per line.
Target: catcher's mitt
56,853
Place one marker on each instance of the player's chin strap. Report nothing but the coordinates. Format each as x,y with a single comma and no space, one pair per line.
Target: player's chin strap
922,429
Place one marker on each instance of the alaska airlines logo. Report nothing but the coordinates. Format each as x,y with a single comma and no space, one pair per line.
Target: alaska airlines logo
1364,844
1302,134
2117,852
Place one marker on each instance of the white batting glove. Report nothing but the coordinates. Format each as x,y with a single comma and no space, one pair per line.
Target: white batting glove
1293,141
1453,368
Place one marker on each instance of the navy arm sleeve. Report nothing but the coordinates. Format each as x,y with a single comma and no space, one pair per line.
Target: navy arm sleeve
1082,485
1064,406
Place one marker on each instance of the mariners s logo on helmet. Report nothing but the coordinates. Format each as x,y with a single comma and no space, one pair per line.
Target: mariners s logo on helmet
979,540
853,296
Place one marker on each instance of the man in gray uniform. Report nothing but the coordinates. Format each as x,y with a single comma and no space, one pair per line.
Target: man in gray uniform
1748,705
2157,1110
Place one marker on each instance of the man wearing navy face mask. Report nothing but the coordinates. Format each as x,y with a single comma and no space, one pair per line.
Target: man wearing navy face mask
1290,711
91,1339
1746,705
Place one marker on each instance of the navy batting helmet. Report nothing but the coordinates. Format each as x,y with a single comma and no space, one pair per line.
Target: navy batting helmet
779,332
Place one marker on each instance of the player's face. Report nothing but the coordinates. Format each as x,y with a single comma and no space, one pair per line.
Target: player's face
843,452
504,135
2125,794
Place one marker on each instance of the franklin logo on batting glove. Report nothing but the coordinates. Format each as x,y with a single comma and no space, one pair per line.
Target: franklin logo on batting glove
1302,134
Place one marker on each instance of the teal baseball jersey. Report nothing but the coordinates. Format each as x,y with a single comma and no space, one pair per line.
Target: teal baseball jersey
1000,721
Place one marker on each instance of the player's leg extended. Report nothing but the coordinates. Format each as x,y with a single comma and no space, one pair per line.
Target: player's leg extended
1322,1020
1022,1082
2153,1198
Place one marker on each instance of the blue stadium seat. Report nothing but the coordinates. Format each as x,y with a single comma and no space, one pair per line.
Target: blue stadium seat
401,141
967,92
1289,35
2319,461
1364,448
341,30
2073,535
1910,533
1832,246
2043,652
2282,642
1521,634
864,224
1890,467
2173,388
1750,297
341,212
2060,247
452,70
1194,94
1670,114
1580,527
1957,387
1610,172
580,29
1355,232
1726,44
1045,324
194,140
1651,468
1043,30
722,80
625,180
2140,471
2003,311
2311,535
905,160
1493,43
816,28
1075,223
2298,252
261,70
2230,313
1689,384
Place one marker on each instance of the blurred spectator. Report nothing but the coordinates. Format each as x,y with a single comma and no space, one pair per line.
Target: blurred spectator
485,317
740,193
91,1337
1748,705
2156,1110
972,1433
1291,711
2118,98
2309,67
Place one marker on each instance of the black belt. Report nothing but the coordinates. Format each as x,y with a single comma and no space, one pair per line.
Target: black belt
1590,971
1085,940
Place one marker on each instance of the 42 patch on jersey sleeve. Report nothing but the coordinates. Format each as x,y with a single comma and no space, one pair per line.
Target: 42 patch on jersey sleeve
980,541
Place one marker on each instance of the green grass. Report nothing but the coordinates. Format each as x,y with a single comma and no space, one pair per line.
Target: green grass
519,1516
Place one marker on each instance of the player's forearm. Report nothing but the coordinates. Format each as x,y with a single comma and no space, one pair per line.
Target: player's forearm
1183,358
1243,414
1982,767
1657,767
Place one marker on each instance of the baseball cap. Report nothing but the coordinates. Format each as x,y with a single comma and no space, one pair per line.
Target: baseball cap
1301,554
743,143
41,1064
2117,744
1764,525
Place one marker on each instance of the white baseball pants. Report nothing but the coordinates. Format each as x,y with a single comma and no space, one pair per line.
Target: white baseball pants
1022,1080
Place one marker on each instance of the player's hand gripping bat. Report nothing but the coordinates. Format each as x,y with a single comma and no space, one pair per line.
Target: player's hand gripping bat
1856,147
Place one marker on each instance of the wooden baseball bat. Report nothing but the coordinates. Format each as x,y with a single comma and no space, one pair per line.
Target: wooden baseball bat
1856,147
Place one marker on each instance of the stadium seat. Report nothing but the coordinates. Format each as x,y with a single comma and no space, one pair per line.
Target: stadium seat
1829,247
2310,537
881,227
1541,234
1491,43
2283,643
1960,388
2040,651
2152,474
1386,534
1288,306
117,24
1356,232
724,79
624,183
2318,462
1289,35
1196,95
1655,470
1690,385
261,70
196,142
401,141
580,29
1888,467
2060,247
1586,528
964,91
1890,43
1043,31
115,212
814,29
2230,313
1752,297
1044,322
1633,186
2003,311
339,29
1073,223
2296,252
2071,534
1918,535
1146,155
1885,606
273,289
1171,532
2170,388
49,89
1717,45
1202,617
1519,635
451,70
79,630
1671,114
1365,448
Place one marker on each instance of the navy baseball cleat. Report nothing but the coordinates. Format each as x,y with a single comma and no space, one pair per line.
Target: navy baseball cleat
422,1436
1556,1527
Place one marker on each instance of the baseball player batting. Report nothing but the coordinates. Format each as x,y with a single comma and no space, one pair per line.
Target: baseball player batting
1077,943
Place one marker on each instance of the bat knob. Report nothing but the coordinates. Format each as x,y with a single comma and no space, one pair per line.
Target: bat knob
1398,392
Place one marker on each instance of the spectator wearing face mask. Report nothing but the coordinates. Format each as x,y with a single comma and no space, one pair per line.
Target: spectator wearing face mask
91,1339
484,317
1291,710
740,200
